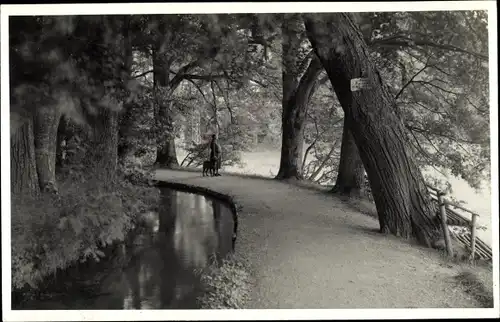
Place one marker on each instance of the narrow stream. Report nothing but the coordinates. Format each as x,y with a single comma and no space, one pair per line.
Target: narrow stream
158,261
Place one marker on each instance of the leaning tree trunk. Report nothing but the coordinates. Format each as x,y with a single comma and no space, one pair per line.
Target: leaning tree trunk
46,123
351,172
403,204
23,174
296,94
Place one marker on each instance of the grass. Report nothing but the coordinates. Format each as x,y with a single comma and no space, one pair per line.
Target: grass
226,285
477,283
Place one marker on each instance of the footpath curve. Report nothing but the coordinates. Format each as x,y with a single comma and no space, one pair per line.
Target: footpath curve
308,250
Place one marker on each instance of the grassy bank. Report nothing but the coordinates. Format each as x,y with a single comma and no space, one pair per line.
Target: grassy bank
478,283
53,232
226,285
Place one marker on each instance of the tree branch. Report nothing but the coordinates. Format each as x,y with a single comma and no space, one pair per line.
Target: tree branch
142,74
411,80
202,77
403,41
226,100
436,86
200,90
179,76
428,109
433,66
324,161
258,83
182,72
457,140
312,144
424,153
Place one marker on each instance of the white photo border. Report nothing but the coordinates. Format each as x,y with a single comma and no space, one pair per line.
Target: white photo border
239,7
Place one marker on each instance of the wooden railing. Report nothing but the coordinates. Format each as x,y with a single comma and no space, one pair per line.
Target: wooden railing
449,216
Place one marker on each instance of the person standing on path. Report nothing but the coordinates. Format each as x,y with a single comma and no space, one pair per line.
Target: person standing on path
215,154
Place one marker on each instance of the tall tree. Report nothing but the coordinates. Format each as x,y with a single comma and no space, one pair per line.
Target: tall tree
179,45
27,76
105,48
424,56
300,71
403,204
436,64
83,79
23,175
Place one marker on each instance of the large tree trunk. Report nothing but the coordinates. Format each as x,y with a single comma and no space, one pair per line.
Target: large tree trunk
351,173
128,122
105,145
46,123
166,155
403,204
296,94
23,174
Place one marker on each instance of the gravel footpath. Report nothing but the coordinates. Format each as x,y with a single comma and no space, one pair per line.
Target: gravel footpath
308,251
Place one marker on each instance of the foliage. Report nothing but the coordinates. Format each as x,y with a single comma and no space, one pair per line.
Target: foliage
197,153
214,58
322,136
435,64
226,285
80,78
240,123
137,136
54,231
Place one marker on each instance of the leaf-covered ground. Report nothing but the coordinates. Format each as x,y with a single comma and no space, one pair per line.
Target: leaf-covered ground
309,250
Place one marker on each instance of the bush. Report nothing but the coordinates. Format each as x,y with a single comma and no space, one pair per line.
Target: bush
136,174
54,231
226,286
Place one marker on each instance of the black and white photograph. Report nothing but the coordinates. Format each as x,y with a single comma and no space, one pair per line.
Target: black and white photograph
235,161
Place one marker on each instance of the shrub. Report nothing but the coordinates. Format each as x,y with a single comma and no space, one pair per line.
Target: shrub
226,285
136,174
54,231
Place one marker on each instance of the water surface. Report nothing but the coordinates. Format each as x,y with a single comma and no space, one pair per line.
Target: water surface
188,232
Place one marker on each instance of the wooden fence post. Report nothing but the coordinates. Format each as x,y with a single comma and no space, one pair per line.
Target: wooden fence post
444,225
473,236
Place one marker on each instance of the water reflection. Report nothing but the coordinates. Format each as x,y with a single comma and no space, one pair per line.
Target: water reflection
189,230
